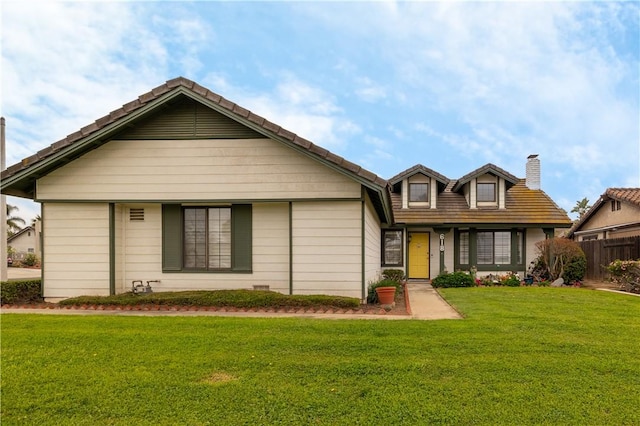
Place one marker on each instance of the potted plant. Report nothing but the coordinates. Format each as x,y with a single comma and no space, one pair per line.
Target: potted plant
386,295
383,292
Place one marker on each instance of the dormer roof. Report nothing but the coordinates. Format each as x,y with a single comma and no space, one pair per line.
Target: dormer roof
442,180
523,207
510,179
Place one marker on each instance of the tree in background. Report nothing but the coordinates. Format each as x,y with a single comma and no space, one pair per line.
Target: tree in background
35,219
561,258
14,223
581,207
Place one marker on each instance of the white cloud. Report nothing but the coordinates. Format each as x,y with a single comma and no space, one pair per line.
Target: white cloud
370,91
299,107
66,64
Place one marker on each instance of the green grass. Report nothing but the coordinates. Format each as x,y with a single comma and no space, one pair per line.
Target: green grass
521,356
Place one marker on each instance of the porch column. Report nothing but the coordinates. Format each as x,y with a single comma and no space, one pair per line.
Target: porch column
441,236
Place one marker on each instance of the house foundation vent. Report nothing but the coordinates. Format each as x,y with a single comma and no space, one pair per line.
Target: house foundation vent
136,215
261,287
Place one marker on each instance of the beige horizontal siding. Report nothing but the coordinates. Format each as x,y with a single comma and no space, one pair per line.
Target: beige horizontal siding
327,255
195,169
143,257
373,243
76,247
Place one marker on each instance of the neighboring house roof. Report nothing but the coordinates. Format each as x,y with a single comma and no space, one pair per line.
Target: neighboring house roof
419,168
487,168
19,233
628,195
19,179
524,207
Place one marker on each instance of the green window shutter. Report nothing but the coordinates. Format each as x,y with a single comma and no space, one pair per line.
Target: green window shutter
242,237
171,237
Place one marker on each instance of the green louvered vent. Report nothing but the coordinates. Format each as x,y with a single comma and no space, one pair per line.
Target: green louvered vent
187,119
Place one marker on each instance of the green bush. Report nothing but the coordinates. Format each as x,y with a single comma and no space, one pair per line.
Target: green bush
455,279
511,281
220,298
372,296
575,269
396,275
626,273
30,259
26,291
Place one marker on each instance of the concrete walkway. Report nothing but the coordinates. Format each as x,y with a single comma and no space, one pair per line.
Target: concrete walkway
23,273
424,303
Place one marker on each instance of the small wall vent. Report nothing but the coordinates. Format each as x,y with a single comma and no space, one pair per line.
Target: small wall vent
136,215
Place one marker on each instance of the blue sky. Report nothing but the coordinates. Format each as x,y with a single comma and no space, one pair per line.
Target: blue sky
387,85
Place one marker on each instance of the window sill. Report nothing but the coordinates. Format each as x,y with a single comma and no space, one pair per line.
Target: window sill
199,271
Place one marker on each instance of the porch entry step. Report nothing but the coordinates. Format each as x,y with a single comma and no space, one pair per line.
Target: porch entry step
418,281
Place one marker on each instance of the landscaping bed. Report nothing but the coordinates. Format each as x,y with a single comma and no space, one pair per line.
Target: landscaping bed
219,301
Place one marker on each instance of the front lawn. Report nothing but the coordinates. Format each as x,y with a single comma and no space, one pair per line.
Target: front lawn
521,356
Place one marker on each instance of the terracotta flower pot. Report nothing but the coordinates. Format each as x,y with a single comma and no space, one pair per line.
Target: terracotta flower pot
386,295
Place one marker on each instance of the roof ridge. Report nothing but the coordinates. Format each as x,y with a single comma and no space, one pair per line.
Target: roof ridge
235,109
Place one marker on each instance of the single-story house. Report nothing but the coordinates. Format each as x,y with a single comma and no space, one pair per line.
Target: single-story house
616,214
184,189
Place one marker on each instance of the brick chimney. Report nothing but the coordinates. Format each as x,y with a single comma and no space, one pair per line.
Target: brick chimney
533,172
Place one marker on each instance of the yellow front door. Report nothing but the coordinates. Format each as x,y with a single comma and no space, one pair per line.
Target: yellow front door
418,255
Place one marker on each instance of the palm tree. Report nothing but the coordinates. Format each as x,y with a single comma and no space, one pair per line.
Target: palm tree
581,207
13,222
35,219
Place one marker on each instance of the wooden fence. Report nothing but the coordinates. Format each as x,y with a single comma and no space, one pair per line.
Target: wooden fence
602,252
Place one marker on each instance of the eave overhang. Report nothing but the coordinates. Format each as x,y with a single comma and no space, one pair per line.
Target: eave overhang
19,180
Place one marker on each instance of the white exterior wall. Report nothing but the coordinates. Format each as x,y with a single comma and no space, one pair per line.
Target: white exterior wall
372,243
238,169
533,236
327,257
76,249
143,257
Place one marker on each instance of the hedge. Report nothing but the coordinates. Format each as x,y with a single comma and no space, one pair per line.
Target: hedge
24,291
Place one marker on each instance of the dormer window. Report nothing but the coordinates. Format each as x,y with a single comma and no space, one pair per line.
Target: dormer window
486,192
418,192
